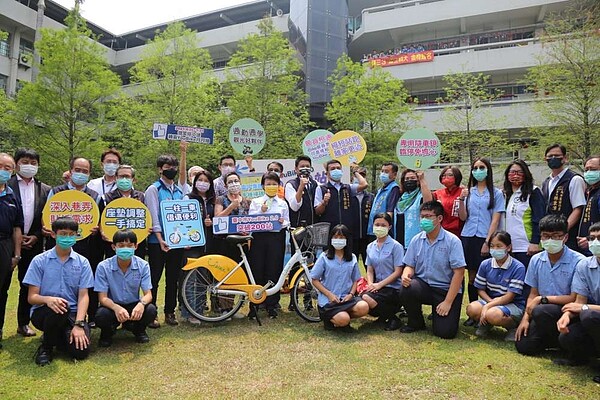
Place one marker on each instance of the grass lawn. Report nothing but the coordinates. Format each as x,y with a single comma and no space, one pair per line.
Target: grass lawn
287,358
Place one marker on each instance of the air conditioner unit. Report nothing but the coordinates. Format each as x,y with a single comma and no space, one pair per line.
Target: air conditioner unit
26,60
279,12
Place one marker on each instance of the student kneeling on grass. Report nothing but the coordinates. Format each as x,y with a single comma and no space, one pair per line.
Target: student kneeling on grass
58,281
499,282
335,276
118,282
434,269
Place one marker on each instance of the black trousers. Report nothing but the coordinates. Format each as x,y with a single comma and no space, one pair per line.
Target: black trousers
472,250
107,321
57,331
542,332
6,252
388,302
419,293
583,340
171,262
266,260
24,308
359,248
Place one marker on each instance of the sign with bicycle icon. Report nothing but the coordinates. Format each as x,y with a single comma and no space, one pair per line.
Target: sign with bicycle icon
182,223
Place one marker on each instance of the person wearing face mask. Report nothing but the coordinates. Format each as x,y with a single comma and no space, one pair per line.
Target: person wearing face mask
58,281
268,248
549,276
361,206
499,282
579,325
481,208
387,196
300,192
32,194
384,268
226,166
160,256
451,178
525,207
110,161
564,191
591,211
118,281
332,200
414,192
434,270
335,276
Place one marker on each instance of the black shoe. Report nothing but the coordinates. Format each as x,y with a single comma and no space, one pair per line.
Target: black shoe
430,317
154,324
291,307
402,313
469,322
170,319
272,313
596,379
569,362
92,324
142,337
252,313
43,356
346,329
392,324
105,341
410,329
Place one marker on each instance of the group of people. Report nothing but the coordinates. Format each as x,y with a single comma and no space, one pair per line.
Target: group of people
531,253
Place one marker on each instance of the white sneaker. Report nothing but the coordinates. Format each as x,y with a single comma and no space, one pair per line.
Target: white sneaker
238,315
483,330
193,321
510,335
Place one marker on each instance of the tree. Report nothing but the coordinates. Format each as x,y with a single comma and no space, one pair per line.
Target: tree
371,102
62,113
468,121
8,138
566,81
263,83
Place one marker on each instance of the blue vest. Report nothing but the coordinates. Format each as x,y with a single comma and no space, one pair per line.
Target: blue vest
164,194
380,204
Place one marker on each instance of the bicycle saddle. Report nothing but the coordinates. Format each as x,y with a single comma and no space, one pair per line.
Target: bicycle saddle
235,239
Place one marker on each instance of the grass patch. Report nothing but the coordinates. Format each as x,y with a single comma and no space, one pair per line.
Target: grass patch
287,358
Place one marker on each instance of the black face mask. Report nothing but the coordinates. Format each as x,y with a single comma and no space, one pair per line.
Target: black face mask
170,173
554,163
409,186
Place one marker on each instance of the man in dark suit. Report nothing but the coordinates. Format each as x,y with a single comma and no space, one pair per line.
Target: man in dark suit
32,195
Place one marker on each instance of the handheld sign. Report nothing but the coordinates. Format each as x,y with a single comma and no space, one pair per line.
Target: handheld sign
75,204
316,146
246,223
182,223
251,187
418,148
347,147
183,133
247,136
126,213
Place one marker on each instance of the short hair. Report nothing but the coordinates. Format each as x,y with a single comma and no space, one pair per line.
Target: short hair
75,158
385,216
125,235
112,151
554,223
502,236
8,156
229,174
455,171
125,166
391,164
167,159
595,227
280,165
340,229
592,157
26,153
331,162
225,157
434,206
405,172
302,158
270,175
67,223
562,148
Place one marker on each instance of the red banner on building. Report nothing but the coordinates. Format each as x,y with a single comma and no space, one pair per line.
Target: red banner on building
400,59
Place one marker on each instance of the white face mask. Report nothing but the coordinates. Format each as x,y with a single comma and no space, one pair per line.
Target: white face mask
234,188
28,170
110,169
338,244
594,247
552,246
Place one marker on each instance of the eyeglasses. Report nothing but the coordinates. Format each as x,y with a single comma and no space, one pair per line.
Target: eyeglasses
553,236
235,181
591,238
515,172
481,168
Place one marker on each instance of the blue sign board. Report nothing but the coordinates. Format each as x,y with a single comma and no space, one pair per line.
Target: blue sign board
182,223
183,133
246,224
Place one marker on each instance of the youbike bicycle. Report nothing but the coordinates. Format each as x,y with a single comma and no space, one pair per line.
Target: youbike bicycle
215,287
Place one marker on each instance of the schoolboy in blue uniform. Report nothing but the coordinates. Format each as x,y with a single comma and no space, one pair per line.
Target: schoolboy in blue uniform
549,275
58,281
433,274
118,283
579,325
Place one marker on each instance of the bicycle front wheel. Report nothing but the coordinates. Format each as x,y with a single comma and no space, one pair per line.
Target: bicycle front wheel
201,301
304,296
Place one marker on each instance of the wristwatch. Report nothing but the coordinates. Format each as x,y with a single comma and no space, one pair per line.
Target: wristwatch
544,300
142,302
585,307
80,323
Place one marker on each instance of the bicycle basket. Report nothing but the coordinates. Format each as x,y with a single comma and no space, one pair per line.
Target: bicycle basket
319,234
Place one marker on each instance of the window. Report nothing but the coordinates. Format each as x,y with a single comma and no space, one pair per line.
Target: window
5,47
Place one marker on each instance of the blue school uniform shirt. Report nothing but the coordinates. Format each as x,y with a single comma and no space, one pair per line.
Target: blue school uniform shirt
434,262
336,275
479,218
59,279
123,288
497,280
385,259
586,281
552,280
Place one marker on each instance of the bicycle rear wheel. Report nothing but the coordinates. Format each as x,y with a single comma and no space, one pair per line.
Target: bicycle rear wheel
304,297
202,303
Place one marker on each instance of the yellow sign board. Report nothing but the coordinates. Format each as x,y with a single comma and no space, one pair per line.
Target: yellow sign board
75,204
126,213
347,147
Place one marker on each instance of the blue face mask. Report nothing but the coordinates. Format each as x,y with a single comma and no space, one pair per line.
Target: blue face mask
125,184
79,178
479,174
384,177
125,253
65,242
427,225
336,174
4,176
498,254
591,177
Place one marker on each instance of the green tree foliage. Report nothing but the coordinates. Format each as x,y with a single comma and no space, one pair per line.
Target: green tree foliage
371,102
263,83
8,138
467,120
63,113
566,81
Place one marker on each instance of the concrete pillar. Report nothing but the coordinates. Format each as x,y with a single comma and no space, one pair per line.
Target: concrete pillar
38,35
11,85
